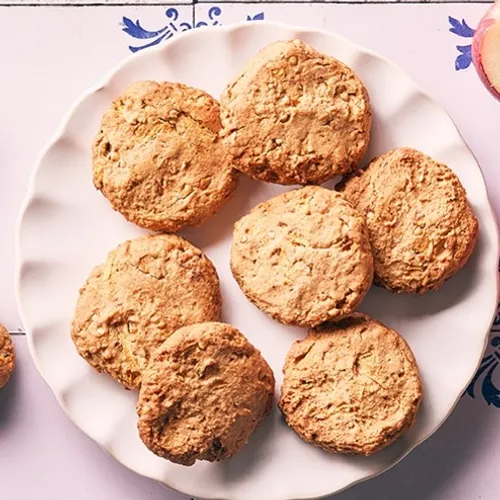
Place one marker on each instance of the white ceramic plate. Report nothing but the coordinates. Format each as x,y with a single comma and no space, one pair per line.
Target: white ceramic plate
67,227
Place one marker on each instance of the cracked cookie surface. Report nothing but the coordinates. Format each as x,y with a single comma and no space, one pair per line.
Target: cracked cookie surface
158,158
7,356
147,288
351,387
203,394
303,257
295,116
422,229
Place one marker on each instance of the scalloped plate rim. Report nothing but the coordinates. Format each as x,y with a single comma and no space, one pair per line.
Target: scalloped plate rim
30,196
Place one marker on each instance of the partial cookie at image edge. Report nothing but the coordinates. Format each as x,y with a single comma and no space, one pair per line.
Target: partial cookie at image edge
7,356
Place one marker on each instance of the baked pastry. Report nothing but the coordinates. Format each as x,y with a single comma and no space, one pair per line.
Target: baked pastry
158,159
422,229
351,387
7,356
203,394
147,288
303,257
295,116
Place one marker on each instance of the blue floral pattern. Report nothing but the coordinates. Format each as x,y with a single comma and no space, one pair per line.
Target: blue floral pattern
154,37
463,30
257,17
135,30
485,373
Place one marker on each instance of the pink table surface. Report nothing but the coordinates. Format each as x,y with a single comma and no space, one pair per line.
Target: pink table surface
49,55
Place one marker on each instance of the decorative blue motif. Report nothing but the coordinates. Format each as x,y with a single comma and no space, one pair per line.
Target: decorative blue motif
489,391
462,29
213,13
257,17
135,30
486,370
490,362
464,59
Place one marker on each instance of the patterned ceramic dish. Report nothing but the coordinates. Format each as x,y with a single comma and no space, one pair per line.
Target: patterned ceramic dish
66,227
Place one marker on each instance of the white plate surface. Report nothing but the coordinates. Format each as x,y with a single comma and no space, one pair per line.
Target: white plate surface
66,228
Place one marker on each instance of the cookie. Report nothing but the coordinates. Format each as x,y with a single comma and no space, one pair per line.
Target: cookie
422,229
303,257
7,356
295,116
203,394
351,387
158,159
147,288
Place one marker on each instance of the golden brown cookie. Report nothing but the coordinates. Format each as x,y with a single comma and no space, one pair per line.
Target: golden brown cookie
422,229
351,387
295,116
7,356
158,159
147,288
203,394
303,257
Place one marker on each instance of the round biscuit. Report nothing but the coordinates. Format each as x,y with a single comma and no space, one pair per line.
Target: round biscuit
351,387
303,257
147,288
158,158
203,394
295,116
422,229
